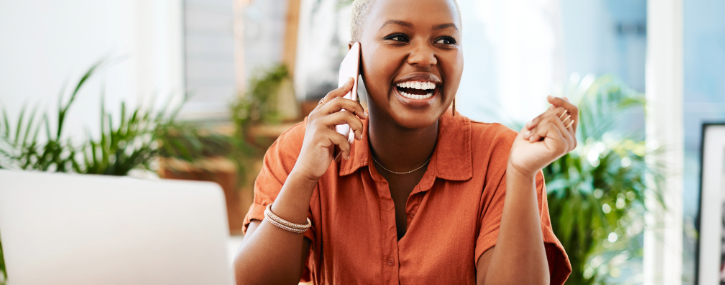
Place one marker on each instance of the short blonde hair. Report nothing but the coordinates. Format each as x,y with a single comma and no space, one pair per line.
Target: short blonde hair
360,10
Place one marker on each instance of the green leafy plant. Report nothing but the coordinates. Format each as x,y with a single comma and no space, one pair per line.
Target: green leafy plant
23,149
189,142
132,143
258,105
596,192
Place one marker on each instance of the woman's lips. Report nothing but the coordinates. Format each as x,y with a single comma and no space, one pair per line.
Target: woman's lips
417,89
417,101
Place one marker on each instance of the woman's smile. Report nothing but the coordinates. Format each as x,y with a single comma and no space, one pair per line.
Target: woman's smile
417,89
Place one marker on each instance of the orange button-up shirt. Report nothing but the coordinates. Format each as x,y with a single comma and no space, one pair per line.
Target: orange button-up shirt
453,213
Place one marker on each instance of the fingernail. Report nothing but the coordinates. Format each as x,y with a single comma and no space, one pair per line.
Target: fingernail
549,97
527,133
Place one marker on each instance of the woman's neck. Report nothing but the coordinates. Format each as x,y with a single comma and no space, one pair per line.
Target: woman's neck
398,148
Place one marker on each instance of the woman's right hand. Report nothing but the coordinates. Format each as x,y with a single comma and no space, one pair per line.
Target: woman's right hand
321,137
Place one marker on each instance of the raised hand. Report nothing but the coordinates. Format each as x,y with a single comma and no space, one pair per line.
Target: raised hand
320,135
545,138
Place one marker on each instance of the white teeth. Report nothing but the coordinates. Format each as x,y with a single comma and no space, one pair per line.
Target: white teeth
417,85
412,96
427,86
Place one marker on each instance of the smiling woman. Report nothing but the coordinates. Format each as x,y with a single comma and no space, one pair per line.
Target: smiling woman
402,45
423,195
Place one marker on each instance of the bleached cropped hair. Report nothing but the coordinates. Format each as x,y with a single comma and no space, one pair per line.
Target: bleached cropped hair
360,10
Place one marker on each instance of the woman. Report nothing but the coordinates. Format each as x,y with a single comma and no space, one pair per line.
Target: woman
418,197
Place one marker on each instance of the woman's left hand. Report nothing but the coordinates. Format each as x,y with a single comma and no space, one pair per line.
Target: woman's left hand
545,138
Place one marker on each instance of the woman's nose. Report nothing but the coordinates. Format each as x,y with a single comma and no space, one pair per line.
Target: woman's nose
422,56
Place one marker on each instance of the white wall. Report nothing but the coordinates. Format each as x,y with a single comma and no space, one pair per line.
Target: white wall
513,54
44,43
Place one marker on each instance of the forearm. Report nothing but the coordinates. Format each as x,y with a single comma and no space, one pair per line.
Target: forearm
270,255
519,256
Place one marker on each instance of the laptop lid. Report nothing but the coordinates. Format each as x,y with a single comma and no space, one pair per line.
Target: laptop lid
89,229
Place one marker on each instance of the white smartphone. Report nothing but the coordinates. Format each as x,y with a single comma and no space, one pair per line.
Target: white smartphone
350,67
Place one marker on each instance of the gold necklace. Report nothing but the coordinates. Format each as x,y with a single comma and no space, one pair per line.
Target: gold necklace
393,172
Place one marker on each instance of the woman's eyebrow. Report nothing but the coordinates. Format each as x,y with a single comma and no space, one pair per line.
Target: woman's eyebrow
410,25
443,26
397,22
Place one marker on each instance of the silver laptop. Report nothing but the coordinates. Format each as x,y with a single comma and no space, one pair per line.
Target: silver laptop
88,229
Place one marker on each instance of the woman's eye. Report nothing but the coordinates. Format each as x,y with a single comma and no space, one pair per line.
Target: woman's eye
445,41
397,37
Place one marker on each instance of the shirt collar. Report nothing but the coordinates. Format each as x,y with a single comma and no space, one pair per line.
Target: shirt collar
451,158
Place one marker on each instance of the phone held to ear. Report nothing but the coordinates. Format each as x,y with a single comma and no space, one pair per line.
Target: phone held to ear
349,67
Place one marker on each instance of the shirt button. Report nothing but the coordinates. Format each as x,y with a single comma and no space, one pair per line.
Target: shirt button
391,262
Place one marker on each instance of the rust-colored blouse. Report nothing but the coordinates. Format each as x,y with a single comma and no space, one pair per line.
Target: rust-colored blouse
453,213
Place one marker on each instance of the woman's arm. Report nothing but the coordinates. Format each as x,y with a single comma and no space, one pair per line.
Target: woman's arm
519,256
271,255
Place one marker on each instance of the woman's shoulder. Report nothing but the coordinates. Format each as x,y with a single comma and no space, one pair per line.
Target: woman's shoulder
289,143
487,140
490,132
494,130
295,133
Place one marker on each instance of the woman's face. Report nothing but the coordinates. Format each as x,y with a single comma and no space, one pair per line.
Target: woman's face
412,59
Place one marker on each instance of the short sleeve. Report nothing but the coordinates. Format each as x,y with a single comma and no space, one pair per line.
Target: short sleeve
278,162
559,266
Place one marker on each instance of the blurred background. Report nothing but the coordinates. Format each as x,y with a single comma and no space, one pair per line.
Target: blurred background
198,89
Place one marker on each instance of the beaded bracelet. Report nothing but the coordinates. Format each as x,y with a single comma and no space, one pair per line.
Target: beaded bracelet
284,224
286,228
